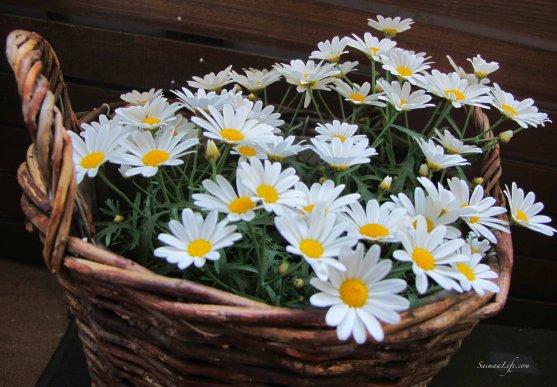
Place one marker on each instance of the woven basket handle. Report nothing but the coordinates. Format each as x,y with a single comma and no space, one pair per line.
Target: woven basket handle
48,177
490,170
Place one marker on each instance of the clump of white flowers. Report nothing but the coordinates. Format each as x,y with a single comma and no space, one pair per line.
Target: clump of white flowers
350,206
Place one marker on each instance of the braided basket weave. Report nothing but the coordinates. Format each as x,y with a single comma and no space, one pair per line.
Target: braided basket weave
145,329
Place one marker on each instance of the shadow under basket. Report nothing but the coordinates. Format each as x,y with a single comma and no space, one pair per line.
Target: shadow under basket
141,328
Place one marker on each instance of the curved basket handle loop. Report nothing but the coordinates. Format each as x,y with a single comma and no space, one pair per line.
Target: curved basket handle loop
491,171
47,113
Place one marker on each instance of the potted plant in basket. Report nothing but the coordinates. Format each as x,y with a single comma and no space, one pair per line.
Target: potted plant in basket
261,216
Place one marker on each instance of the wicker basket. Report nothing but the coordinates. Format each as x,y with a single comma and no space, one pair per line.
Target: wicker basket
144,329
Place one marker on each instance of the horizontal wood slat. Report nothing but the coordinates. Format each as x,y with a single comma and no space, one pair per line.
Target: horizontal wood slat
293,25
528,313
130,60
534,278
528,242
472,15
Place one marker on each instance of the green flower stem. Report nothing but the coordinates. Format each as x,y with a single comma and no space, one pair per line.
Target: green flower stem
316,105
340,102
296,111
284,98
213,170
479,137
258,257
447,108
337,177
442,175
373,75
432,117
118,192
468,116
195,158
223,158
265,96
325,104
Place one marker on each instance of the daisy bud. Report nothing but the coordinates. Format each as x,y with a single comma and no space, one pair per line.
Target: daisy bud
119,219
378,89
322,180
478,180
506,136
252,97
299,283
301,299
385,185
283,267
237,88
424,170
212,152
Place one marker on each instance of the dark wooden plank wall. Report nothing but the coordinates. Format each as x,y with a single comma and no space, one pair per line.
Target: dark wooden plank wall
107,47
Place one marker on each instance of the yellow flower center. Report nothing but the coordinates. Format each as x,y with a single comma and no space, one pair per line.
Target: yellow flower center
509,109
199,247
232,135
390,32
423,258
241,205
521,216
464,205
155,157
357,97
454,94
311,248
403,102
466,270
340,136
92,160
247,151
427,221
268,193
374,230
151,121
473,219
452,151
436,167
309,207
374,50
340,168
404,71
353,292
475,250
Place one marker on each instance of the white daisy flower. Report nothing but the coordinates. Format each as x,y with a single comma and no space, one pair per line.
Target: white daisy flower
146,154
266,115
452,88
453,145
482,68
404,64
195,239
330,50
96,148
316,237
389,26
524,210
471,78
432,208
201,100
281,148
401,97
233,127
430,255
115,122
246,151
478,246
358,95
337,129
360,296
483,210
371,46
378,223
269,184
475,275
346,67
341,155
255,80
182,125
325,195
212,82
222,197
151,115
524,113
436,158
308,76
139,99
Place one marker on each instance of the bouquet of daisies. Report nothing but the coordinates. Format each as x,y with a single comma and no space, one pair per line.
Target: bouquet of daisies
339,196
